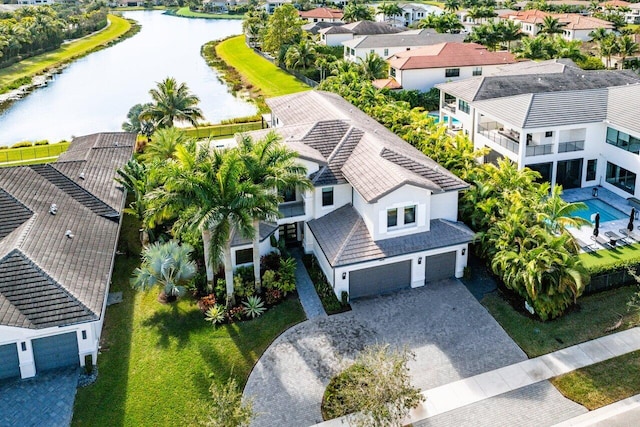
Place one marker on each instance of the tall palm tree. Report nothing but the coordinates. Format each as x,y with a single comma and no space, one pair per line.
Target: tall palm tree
171,102
626,47
608,47
272,166
357,12
452,5
301,55
373,67
556,214
163,145
551,25
389,10
510,31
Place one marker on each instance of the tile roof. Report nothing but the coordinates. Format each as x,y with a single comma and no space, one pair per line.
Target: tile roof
73,272
265,229
14,214
370,27
405,39
358,149
622,107
344,238
571,21
389,83
449,54
322,12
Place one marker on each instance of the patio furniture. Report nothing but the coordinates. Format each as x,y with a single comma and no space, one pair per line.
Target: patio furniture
602,241
629,235
587,247
613,237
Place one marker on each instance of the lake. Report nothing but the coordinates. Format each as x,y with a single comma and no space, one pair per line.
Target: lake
94,93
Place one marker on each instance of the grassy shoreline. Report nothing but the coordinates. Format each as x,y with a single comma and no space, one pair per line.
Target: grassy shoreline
185,12
118,29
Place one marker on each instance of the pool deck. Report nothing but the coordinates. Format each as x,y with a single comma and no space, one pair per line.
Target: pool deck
584,233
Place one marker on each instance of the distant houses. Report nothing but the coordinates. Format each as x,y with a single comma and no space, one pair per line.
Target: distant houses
574,25
335,35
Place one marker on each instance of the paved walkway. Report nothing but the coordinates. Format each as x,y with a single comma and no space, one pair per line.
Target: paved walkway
624,413
45,400
468,391
306,291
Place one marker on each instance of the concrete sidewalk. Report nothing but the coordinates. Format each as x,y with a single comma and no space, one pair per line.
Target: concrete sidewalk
625,413
474,389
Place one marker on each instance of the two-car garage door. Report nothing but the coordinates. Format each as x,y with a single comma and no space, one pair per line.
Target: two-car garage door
56,351
9,363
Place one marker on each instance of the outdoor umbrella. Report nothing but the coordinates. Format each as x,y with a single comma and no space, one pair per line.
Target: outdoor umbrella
596,227
631,216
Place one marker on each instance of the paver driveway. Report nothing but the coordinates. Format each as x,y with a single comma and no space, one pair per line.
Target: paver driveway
451,334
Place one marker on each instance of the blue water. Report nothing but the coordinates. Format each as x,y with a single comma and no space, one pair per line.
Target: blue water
455,121
607,212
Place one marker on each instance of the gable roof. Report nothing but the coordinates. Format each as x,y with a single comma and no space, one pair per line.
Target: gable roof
571,21
322,13
449,54
370,27
47,278
422,38
358,149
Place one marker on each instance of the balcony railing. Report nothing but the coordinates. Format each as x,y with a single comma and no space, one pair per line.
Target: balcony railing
565,147
539,150
501,139
291,209
450,107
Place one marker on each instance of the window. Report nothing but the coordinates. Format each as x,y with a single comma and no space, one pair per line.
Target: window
244,256
289,195
548,134
327,196
410,215
392,71
353,52
621,178
392,218
452,72
623,140
477,71
84,335
592,165
371,51
386,52
463,106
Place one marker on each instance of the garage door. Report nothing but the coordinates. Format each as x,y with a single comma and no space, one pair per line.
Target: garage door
380,280
56,351
9,363
441,266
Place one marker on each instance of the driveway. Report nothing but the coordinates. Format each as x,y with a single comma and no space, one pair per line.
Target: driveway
451,334
45,400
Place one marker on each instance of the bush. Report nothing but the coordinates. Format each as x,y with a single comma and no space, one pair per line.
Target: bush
41,142
272,296
22,144
234,314
269,280
271,261
206,302
215,314
254,307
243,289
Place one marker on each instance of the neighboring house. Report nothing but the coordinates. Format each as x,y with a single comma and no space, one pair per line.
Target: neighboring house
315,27
575,26
577,128
334,36
58,236
36,2
421,69
633,15
271,5
386,45
411,13
470,23
616,60
322,14
381,215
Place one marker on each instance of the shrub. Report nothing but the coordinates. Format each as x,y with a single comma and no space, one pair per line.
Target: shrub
246,273
41,142
344,297
234,314
271,261
206,302
272,296
287,275
269,280
228,408
243,288
254,307
22,144
215,314
220,290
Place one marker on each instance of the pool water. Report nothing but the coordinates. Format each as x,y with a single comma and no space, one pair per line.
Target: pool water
607,212
436,116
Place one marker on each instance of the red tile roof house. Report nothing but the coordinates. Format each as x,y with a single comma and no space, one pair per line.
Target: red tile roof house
421,69
322,14
58,236
576,26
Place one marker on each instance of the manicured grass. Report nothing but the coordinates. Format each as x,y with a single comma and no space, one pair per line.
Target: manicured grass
23,154
157,361
187,13
221,131
603,383
41,63
596,313
611,257
260,73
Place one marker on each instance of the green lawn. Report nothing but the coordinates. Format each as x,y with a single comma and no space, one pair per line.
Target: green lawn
157,361
596,313
187,13
260,73
27,154
621,255
41,63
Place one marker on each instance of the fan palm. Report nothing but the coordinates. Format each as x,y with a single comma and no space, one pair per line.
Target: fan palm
171,102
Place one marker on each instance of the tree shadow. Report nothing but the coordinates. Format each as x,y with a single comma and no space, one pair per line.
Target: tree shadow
175,323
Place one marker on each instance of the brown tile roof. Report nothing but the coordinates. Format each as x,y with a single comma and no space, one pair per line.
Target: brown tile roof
449,55
523,15
572,21
322,12
615,3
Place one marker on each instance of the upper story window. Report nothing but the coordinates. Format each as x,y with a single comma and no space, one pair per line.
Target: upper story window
463,106
452,72
392,71
392,218
386,52
477,71
623,140
548,134
327,196
401,217
289,195
410,215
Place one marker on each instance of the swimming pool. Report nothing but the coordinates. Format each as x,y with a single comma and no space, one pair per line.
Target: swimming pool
607,212
436,116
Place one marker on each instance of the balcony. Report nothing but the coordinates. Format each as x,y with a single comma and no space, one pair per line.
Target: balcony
450,107
539,150
291,209
568,146
506,139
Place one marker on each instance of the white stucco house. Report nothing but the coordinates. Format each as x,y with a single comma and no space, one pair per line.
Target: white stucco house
575,25
421,69
411,13
335,35
381,215
58,235
577,128
321,14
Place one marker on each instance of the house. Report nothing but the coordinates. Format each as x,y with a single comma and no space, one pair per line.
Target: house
577,128
271,5
575,26
633,15
334,36
381,215
421,69
385,45
58,236
411,13
315,27
470,23
322,14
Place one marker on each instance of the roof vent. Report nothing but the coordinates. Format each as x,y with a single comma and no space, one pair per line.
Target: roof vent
53,209
115,143
351,110
68,234
81,176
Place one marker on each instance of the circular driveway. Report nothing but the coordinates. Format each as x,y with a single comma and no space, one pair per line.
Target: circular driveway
451,334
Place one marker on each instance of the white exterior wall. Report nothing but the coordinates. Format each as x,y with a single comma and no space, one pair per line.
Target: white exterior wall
361,53
405,196
620,157
322,259
424,79
335,39
265,248
341,196
445,206
88,346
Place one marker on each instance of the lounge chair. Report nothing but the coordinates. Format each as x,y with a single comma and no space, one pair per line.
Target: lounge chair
602,241
630,237
587,247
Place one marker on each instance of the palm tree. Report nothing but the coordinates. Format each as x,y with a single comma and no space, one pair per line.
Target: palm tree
168,265
510,32
608,47
373,67
571,49
452,5
533,48
163,145
171,102
272,166
357,12
133,123
556,214
599,34
551,25
301,55
133,177
390,10
626,47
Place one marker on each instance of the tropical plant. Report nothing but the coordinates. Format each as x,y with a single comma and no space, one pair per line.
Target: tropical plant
163,145
284,28
571,49
551,25
373,67
556,214
354,11
253,306
167,265
452,5
444,23
390,10
301,55
133,123
215,314
172,102
228,408
133,177
626,47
